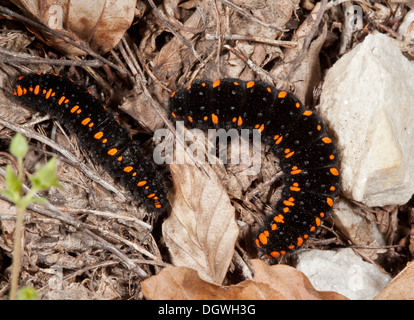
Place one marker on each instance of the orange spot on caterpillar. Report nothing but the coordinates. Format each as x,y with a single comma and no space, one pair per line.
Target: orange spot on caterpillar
261,128
142,183
216,83
60,100
326,140
214,118
290,154
98,135
334,171
329,201
113,151
19,90
48,93
307,113
85,121
263,238
249,84
282,94
288,203
128,169
239,121
294,188
275,254
279,218
36,90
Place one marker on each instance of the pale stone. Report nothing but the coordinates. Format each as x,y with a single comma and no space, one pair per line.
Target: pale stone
343,272
368,102
358,229
408,19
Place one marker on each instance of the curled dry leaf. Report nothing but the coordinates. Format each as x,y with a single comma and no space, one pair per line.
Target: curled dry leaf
100,23
278,282
201,231
303,71
401,287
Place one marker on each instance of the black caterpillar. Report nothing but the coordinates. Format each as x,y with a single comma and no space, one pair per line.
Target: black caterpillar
97,130
296,135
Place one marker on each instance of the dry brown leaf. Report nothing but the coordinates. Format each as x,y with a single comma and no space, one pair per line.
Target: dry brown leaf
303,69
279,282
201,231
100,23
401,287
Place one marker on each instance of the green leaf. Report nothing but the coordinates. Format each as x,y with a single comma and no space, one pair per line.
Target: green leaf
13,185
19,146
45,177
27,293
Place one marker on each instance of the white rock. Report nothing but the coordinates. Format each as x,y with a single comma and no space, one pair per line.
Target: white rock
408,19
342,271
368,100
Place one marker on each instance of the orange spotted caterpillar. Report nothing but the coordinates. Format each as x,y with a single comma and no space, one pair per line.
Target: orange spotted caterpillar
97,130
295,134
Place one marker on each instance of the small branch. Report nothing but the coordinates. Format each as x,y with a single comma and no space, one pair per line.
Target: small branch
251,64
250,16
18,57
281,43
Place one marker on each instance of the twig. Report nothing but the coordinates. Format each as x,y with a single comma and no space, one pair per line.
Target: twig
19,57
251,64
250,16
281,43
